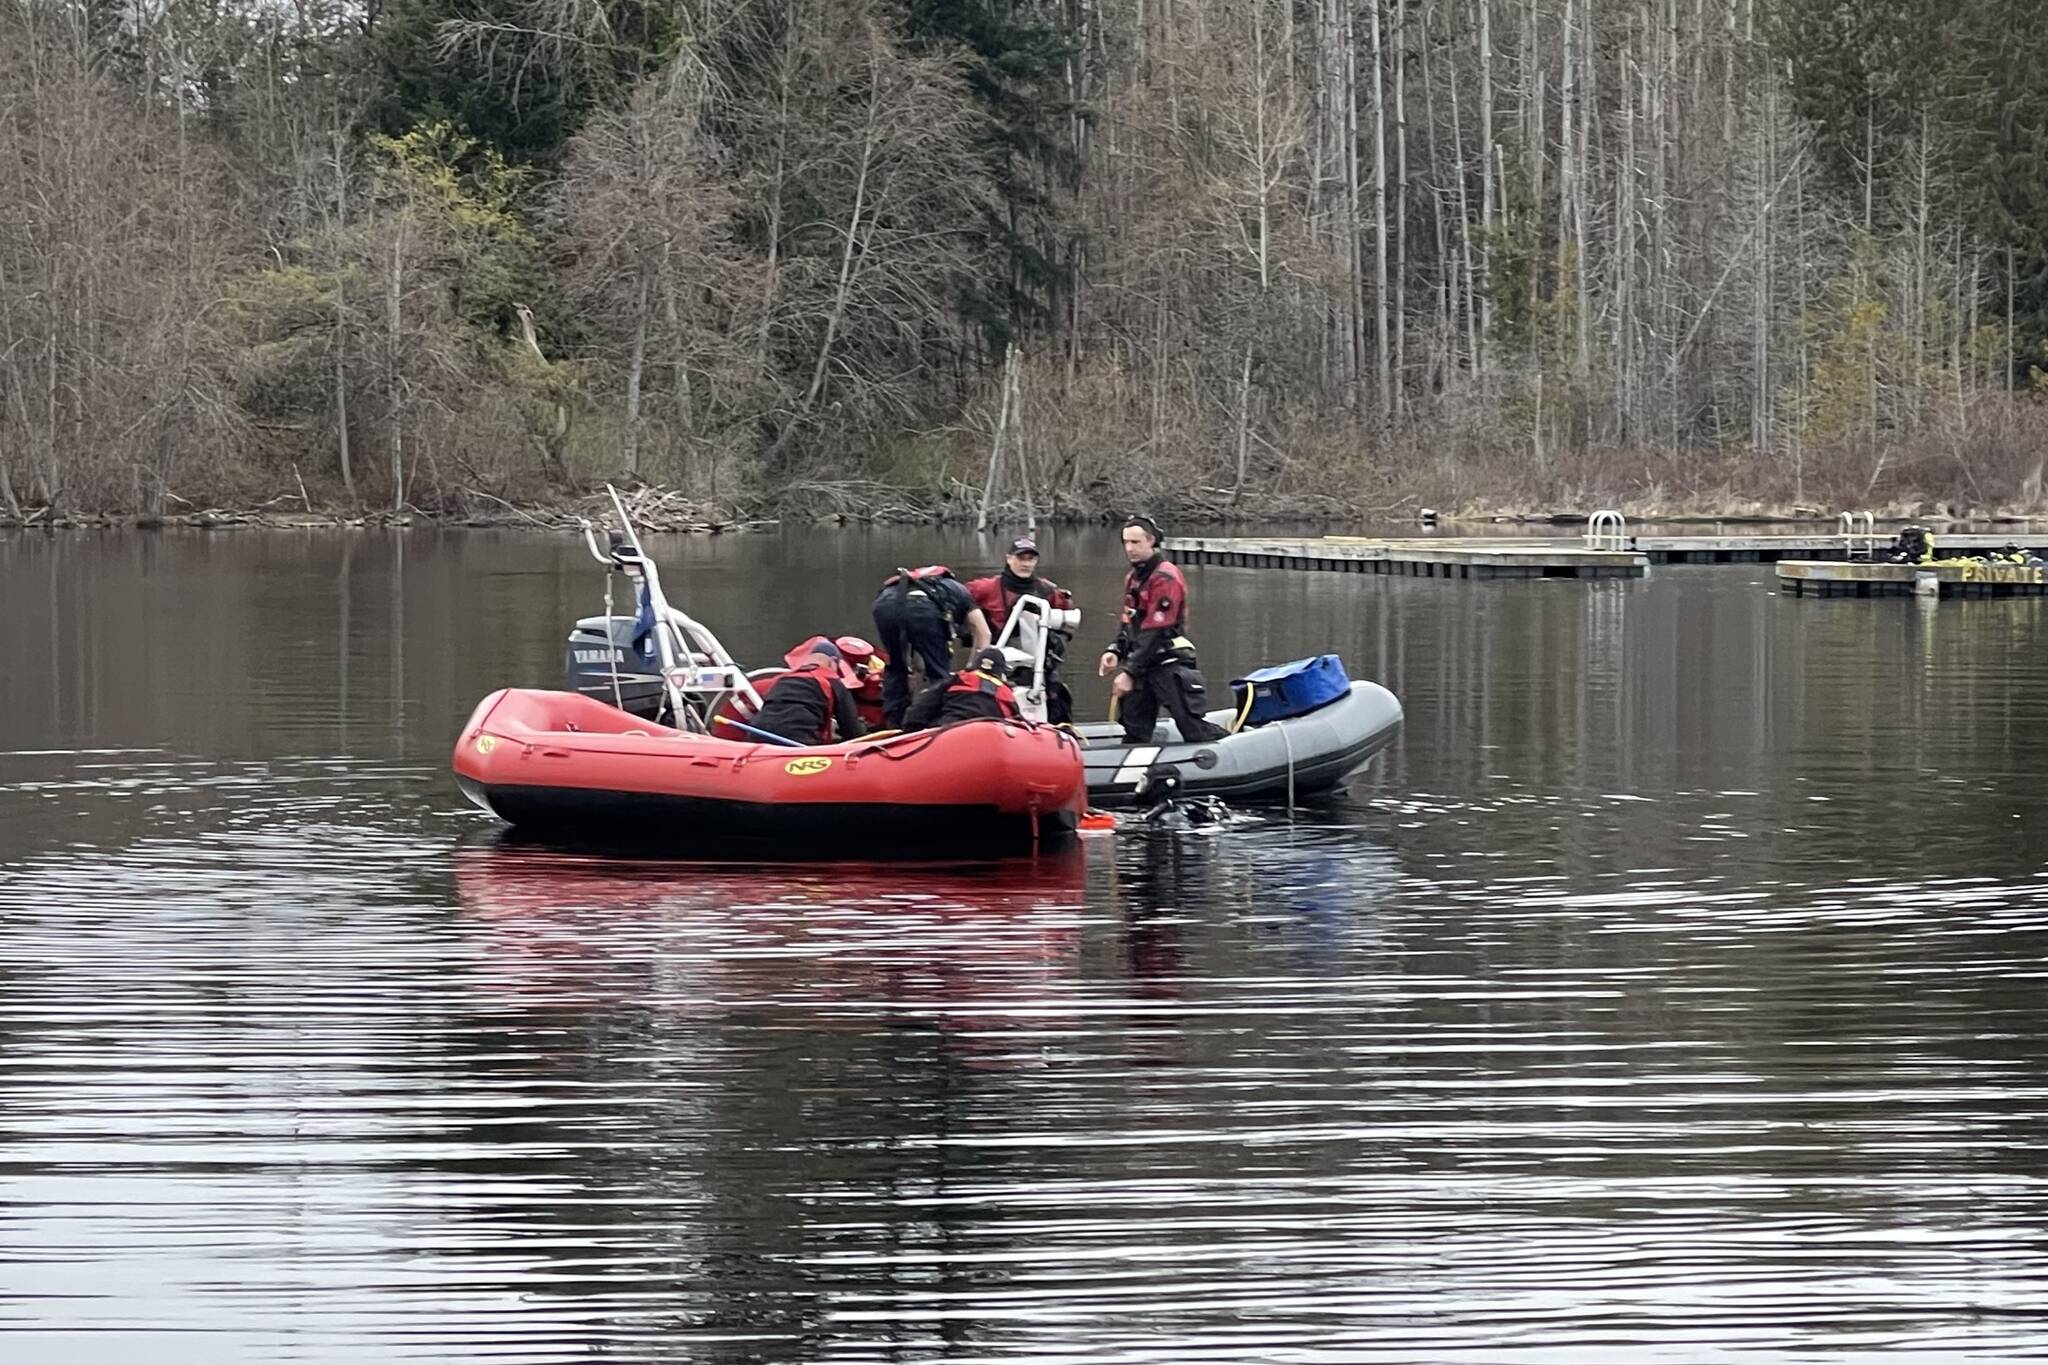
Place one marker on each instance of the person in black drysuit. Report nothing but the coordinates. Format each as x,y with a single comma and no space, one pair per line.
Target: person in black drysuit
1915,545
979,693
918,613
1152,658
808,703
1159,793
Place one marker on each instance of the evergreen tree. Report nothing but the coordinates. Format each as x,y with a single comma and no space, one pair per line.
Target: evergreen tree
1995,124
1957,81
1016,72
507,72
1862,74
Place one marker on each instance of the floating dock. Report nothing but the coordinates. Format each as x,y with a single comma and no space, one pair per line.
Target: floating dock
1603,556
1804,578
1421,558
1774,549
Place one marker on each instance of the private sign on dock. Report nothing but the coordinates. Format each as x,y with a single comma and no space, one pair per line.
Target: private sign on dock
1806,578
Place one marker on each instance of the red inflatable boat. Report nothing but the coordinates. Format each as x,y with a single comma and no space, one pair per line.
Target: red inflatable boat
560,763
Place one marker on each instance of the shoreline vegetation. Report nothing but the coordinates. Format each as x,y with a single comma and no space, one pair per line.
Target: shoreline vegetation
666,511
1320,261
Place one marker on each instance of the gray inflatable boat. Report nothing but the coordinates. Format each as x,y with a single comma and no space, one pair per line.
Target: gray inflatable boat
1301,755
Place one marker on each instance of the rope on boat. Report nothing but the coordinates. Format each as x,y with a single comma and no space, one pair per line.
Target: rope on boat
611,645
1243,712
1288,740
895,752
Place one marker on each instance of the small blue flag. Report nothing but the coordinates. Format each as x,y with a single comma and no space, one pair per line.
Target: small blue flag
643,623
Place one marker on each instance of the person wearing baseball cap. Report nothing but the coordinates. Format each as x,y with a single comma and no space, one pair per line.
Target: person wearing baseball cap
997,596
980,693
808,703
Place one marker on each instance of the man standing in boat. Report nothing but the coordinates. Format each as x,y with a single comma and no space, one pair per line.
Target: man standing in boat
809,703
1153,659
997,596
919,612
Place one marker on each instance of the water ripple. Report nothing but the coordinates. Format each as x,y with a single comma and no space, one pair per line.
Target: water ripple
1692,1026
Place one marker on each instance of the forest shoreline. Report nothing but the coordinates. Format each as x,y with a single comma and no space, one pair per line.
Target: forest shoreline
665,512
858,261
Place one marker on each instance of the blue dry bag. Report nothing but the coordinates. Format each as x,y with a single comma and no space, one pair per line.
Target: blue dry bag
1292,689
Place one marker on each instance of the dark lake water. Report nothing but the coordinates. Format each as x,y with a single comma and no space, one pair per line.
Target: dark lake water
1673,992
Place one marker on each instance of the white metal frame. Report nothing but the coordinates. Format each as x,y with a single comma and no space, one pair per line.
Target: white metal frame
1859,535
1607,530
1032,702
696,672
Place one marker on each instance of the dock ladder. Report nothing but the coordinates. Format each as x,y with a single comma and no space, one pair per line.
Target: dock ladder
1859,536
1607,530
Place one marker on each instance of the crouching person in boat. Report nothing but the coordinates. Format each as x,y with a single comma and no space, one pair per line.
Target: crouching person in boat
1153,659
977,694
809,703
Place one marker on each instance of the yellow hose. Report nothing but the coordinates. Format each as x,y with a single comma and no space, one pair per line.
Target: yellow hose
1242,712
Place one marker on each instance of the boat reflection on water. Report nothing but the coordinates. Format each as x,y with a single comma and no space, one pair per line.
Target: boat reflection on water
777,1097
1259,897
1308,880
966,946
747,1067
989,954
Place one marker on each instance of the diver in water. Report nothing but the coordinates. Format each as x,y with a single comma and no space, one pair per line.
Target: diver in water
1162,805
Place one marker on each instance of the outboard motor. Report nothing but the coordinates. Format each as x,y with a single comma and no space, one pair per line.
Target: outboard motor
604,662
657,664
